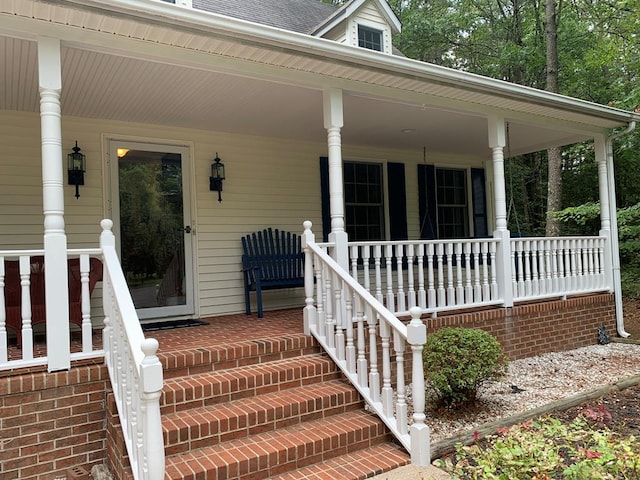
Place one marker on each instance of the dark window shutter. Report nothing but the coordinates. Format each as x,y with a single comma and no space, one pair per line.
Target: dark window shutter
397,201
324,198
479,195
427,199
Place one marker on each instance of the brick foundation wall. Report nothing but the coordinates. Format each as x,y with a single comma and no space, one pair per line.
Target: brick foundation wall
52,422
542,327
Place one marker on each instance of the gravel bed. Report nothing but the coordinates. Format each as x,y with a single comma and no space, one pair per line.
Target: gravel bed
536,381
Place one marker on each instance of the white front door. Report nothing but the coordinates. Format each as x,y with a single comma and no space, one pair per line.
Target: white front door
150,209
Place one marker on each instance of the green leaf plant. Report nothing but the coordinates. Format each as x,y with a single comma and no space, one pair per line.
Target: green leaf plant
546,449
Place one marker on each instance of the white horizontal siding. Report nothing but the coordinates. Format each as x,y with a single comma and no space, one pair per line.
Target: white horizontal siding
270,183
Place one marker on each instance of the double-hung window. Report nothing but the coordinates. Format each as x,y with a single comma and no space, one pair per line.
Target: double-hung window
364,206
369,38
453,210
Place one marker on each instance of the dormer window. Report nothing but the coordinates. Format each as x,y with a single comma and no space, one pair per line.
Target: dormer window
369,38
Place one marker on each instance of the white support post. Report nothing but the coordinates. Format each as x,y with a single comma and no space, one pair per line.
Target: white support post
55,239
333,122
419,432
310,313
497,142
600,149
151,382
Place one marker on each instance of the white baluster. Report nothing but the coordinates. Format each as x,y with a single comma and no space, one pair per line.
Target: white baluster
411,293
361,364
374,375
354,261
85,302
350,349
477,287
387,389
391,303
320,296
514,268
535,280
365,267
494,273
329,327
548,267
556,265
401,404
401,299
27,331
422,294
339,321
459,298
431,292
442,294
450,290
483,249
575,264
468,286
377,255
591,284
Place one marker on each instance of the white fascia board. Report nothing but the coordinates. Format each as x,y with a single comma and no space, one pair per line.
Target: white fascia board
350,8
328,50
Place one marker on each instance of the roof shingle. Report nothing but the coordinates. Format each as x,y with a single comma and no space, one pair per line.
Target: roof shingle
300,16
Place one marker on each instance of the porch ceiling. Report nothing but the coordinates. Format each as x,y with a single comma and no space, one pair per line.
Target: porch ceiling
264,90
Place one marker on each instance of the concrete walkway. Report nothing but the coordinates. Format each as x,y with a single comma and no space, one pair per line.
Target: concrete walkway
411,472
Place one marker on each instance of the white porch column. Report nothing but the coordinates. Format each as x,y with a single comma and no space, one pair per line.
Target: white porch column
600,148
497,142
55,239
333,122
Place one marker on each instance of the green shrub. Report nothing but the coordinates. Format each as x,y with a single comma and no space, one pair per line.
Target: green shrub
457,361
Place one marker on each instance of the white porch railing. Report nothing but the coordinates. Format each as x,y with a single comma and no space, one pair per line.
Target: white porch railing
134,368
549,267
434,275
359,333
28,266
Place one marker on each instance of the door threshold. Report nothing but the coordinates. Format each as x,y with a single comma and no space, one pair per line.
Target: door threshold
171,324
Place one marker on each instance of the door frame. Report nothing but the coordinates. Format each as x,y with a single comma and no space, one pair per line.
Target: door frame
112,211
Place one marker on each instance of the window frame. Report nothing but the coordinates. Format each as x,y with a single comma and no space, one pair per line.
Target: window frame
382,206
362,42
467,226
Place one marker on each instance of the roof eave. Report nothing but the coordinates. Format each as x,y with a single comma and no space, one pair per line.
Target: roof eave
172,16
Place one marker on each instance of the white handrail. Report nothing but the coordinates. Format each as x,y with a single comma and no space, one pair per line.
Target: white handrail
336,311
134,368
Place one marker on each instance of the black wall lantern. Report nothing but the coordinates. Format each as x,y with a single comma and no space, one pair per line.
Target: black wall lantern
76,165
217,176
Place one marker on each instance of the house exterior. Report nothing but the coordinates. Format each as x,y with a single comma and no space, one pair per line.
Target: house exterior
315,117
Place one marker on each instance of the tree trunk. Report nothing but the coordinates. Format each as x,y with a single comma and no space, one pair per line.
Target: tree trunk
554,188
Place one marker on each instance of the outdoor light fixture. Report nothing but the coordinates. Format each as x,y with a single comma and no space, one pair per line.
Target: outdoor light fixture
76,163
217,176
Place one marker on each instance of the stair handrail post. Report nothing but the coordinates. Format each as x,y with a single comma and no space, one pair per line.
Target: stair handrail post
107,239
151,382
419,432
310,312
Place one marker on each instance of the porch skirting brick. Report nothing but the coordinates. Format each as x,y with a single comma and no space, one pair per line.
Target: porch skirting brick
542,327
52,422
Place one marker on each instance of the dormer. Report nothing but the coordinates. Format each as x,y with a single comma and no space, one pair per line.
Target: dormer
362,23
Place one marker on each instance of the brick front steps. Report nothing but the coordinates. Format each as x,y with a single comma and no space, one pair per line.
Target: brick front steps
272,408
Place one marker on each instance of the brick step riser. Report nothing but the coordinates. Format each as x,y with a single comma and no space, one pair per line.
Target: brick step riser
280,453
199,361
207,427
215,388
